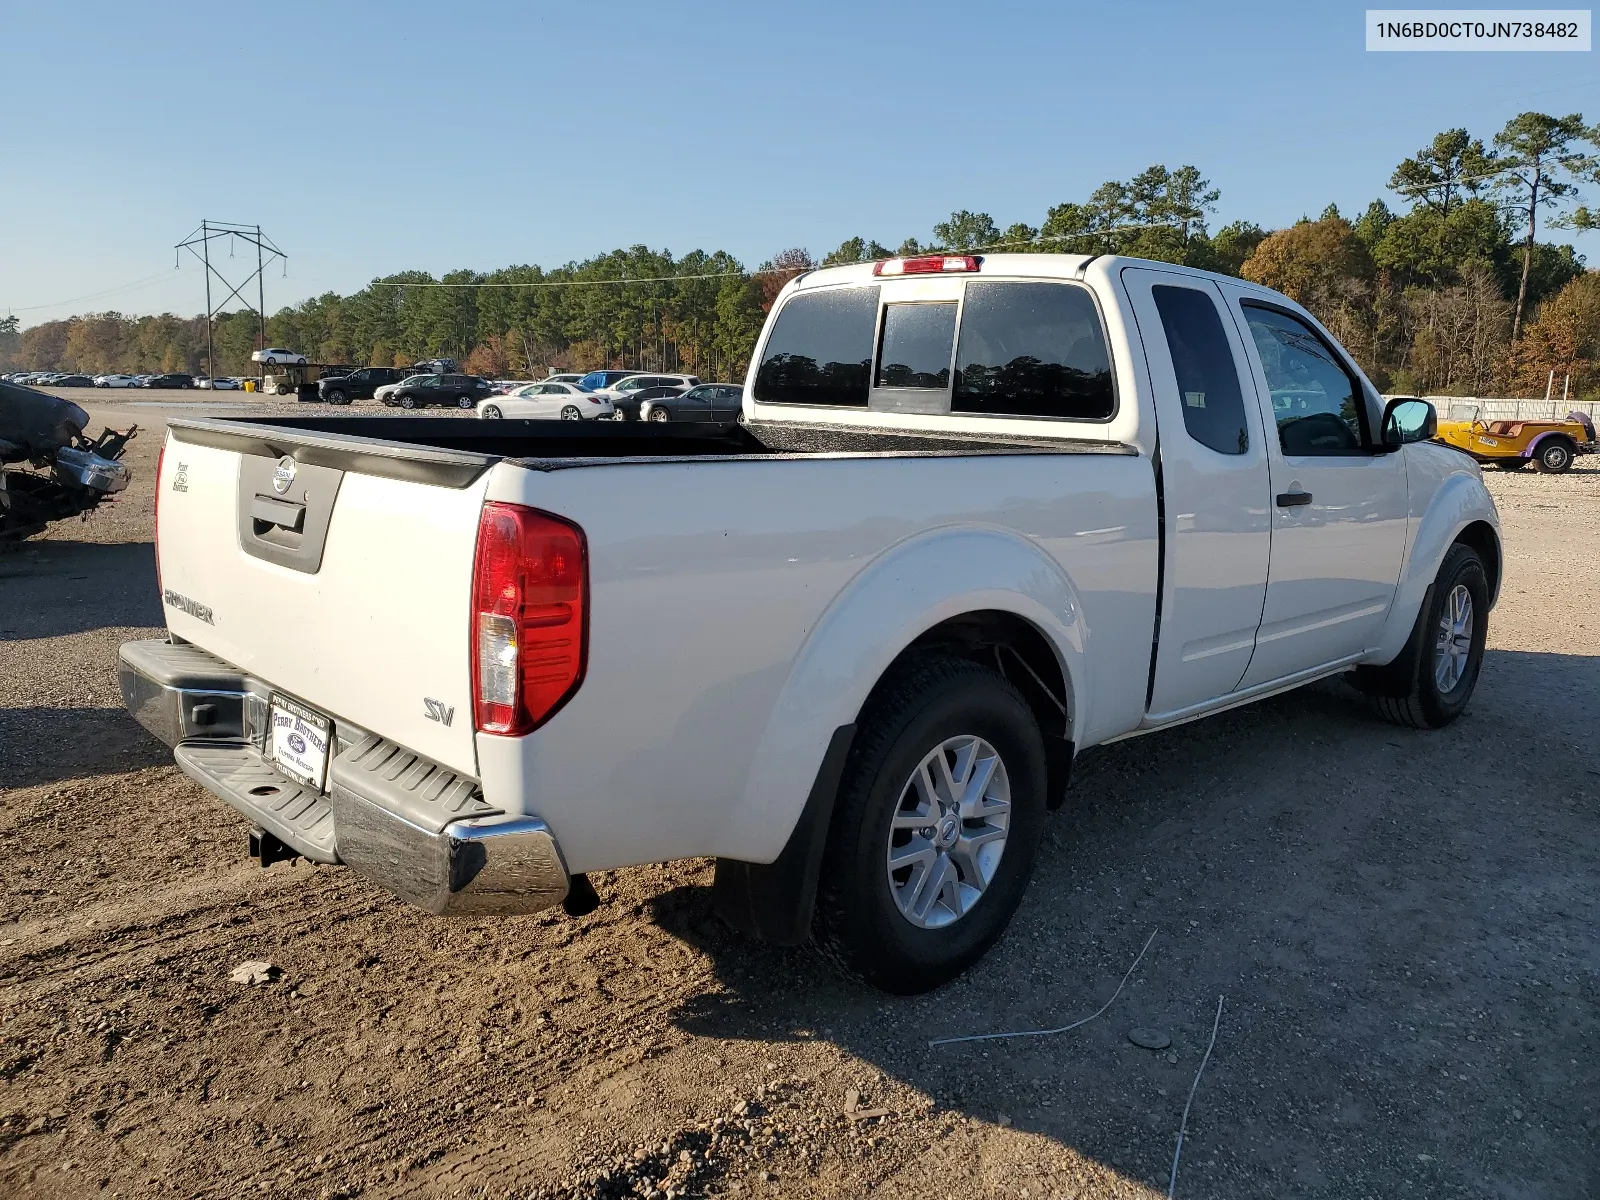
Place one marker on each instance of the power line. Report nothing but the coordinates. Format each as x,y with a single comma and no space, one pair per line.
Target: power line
122,287
561,283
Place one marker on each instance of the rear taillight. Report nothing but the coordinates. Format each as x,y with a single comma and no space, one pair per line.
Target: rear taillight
530,596
927,264
160,458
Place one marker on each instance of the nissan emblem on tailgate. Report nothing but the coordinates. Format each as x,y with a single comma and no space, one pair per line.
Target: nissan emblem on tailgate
283,476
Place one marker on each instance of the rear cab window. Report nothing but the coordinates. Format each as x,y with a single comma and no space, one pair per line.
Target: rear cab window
1026,349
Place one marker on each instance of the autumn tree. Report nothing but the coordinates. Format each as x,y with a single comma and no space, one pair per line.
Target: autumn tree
1563,337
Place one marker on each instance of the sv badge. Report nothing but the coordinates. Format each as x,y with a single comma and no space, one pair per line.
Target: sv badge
441,713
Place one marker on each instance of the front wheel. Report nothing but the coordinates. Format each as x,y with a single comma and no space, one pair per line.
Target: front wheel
335,396
1429,685
660,414
464,402
1554,457
938,815
491,412
408,401
571,413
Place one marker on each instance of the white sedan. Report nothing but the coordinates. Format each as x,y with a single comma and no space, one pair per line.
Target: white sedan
109,381
562,401
274,356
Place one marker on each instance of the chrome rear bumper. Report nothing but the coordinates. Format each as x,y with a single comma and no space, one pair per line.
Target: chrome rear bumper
412,826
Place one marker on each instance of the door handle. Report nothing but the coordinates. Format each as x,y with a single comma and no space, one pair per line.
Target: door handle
1291,499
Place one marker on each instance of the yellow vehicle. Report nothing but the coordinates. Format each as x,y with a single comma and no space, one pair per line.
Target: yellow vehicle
1550,445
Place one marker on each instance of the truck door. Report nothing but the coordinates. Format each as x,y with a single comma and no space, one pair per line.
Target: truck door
1213,461
1338,502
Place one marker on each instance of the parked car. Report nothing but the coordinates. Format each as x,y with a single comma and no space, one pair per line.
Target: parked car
708,402
275,356
504,387
850,647
142,380
114,381
565,377
624,394
172,379
1550,445
75,381
361,384
594,381
547,401
227,383
422,391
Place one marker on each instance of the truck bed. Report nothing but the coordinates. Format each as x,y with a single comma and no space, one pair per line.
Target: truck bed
446,450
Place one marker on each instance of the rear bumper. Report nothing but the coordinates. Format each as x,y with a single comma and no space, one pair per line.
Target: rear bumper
420,830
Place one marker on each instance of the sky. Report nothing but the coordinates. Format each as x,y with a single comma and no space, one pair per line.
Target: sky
369,138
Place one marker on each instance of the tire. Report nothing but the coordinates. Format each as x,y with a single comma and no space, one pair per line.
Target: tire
408,401
1555,456
1511,464
658,413
337,396
928,704
1415,690
491,412
570,413
464,402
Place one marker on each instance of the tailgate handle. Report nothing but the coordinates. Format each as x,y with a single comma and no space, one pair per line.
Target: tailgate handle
278,512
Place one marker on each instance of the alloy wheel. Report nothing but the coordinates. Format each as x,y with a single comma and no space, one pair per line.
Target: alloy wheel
1454,645
948,832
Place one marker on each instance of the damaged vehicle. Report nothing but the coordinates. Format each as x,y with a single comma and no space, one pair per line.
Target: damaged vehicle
49,468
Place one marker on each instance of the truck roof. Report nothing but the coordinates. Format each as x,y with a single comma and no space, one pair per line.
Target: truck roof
1042,266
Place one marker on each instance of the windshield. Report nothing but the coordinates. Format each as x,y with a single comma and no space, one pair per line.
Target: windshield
1463,412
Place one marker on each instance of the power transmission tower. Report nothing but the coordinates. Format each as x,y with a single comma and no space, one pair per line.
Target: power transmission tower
266,252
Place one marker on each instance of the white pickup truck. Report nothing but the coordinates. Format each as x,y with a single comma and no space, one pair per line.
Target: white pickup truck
980,514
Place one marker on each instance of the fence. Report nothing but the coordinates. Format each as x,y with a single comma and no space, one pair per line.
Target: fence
1490,409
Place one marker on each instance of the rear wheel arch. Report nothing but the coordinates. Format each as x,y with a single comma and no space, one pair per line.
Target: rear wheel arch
776,901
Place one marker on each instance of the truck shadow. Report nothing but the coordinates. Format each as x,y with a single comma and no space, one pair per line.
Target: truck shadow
55,588
52,745
1400,922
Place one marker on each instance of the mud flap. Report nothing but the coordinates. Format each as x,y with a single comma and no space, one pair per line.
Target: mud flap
774,901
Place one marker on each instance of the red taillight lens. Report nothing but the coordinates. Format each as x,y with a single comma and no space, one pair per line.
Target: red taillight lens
530,597
161,456
927,264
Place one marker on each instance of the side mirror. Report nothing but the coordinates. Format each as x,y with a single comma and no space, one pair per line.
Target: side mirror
1407,419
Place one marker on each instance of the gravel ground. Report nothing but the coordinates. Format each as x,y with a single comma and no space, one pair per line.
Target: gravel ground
1402,926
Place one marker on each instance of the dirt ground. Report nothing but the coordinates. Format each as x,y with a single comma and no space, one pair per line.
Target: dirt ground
1402,926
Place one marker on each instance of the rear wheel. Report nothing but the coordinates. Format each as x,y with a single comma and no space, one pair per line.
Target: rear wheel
570,413
658,413
933,833
491,412
1555,456
1429,685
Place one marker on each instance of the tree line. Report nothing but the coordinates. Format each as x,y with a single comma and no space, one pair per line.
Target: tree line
1450,292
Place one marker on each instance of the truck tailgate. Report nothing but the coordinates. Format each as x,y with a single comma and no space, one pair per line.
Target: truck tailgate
332,576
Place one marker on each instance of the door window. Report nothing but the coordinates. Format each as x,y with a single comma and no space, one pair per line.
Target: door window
1208,377
820,349
914,351
1315,401
1032,350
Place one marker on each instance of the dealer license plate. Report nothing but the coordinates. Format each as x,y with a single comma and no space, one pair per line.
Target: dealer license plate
300,739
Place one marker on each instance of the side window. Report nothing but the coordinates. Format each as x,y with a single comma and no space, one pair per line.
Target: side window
1208,377
1032,350
914,351
1315,403
820,349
